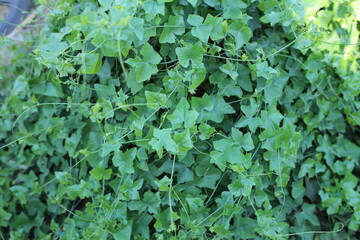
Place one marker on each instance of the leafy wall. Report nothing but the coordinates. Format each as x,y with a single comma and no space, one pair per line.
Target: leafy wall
184,119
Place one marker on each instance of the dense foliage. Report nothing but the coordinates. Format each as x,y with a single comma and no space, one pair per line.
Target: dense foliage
183,119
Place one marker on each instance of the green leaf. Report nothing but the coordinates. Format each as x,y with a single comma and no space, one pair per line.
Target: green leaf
200,30
242,186
153,201
263,70
174,26
209,178
241,32
125,232
4,217
232,8
182,115
272,18
153,8
155,100
190,53
349,181
298,189
145,67
307,214
229,69
206,131
183,141
211,108
332,204
100,172
244,141
162,140
196,76
125,161
90,63
219,110
216,32
164,183
192,2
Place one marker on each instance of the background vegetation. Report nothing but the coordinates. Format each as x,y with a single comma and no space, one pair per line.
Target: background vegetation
183,119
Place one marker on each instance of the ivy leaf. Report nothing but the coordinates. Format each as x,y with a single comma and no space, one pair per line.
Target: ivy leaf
183,141
216,32
211,108
190,53
4,217
100,172
232,8
175,26
242,186
225,153
307,214
263,70
155,99
209,178
332,204
192,2
162,140
125,232
147,65
200,30
298,189
273,18
196,76
271,118
125,161
219,110
152,200
229,69
153,8
164,183
182,115
245,141
90,63
241,32
206,131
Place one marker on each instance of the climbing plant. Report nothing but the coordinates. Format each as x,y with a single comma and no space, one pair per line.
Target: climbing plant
183,119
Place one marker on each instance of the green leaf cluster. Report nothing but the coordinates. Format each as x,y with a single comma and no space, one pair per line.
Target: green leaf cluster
183,119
